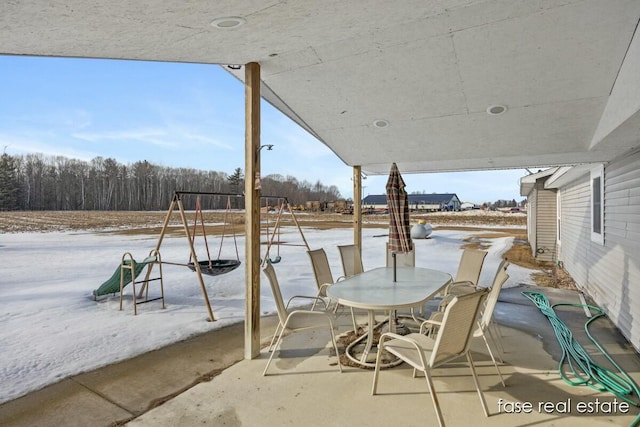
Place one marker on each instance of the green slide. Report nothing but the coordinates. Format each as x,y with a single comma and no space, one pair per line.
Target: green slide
112,284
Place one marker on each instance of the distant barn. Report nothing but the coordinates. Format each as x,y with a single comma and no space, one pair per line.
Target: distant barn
417,202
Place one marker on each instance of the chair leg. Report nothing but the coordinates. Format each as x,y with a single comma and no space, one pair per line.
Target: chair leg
273,352
353,317
275,334
353,320
498,333
497,326
335,344
477,383
492,337
279,342
493,359
376,372
434,398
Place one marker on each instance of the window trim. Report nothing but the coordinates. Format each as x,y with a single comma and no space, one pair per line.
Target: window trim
597,173
559,221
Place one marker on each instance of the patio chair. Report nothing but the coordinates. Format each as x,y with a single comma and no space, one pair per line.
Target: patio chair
351,265
321,270
324,278
486,320
467,275
403,259
351,260
425,353
295,321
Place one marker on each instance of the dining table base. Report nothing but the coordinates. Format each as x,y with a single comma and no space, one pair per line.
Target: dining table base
367,341
395,326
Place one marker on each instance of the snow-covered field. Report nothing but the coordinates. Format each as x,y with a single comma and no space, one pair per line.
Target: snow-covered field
52,328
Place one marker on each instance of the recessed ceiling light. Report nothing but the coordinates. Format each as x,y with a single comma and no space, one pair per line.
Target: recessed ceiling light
381,123
228,22
494,110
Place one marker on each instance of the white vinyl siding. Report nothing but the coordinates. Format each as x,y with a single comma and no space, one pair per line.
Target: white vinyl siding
576,228
546,223
608,272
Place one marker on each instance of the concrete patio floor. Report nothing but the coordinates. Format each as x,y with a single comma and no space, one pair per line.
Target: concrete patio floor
304,386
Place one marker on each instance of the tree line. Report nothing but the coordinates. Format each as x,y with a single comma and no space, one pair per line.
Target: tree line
39,182
498,204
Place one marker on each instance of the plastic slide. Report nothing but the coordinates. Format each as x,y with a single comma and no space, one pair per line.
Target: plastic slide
112,284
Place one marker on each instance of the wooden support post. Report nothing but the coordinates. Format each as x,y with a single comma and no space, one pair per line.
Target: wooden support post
357,207
252,211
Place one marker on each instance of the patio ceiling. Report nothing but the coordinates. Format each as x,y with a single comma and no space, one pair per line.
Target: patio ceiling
565,70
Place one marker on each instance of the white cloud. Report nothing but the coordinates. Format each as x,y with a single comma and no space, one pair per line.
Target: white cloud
170,138
21,145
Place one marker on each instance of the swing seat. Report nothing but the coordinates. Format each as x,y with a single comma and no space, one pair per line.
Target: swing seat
272,260
216,267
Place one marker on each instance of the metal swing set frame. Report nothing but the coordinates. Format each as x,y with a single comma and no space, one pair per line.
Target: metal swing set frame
200,267
284,205
215,267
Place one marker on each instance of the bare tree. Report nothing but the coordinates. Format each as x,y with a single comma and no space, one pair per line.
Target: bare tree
103,184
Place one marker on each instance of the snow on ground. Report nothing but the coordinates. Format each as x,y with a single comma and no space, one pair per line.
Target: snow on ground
52,328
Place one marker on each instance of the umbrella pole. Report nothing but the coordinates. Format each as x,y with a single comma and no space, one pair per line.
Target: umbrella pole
394,325
393,256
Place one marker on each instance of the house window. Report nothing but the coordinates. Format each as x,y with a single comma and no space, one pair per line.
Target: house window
597,205
559,217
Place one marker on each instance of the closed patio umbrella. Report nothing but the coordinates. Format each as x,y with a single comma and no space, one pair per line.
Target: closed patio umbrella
398,203
399,229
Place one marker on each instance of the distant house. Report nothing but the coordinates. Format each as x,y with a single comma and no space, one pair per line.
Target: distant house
417,202
593,213
541,215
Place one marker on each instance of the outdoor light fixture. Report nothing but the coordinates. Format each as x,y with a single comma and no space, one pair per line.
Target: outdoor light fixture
495,110
269,147
234,66
228,22
381,123
256,182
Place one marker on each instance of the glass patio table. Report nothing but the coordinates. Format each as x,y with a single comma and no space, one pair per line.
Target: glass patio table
375,290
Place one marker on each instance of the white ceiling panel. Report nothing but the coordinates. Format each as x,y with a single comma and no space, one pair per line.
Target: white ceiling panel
431,68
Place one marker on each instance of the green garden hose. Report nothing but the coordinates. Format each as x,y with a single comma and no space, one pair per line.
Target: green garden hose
584,371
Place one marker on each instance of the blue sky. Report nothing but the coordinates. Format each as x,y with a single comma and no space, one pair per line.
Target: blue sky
182,115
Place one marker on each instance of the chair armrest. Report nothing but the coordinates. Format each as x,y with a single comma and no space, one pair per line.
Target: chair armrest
391,335
309,312
405,338
306,297
322,290
466,287
435,320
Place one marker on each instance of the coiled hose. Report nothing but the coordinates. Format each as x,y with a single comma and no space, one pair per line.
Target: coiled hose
583,369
